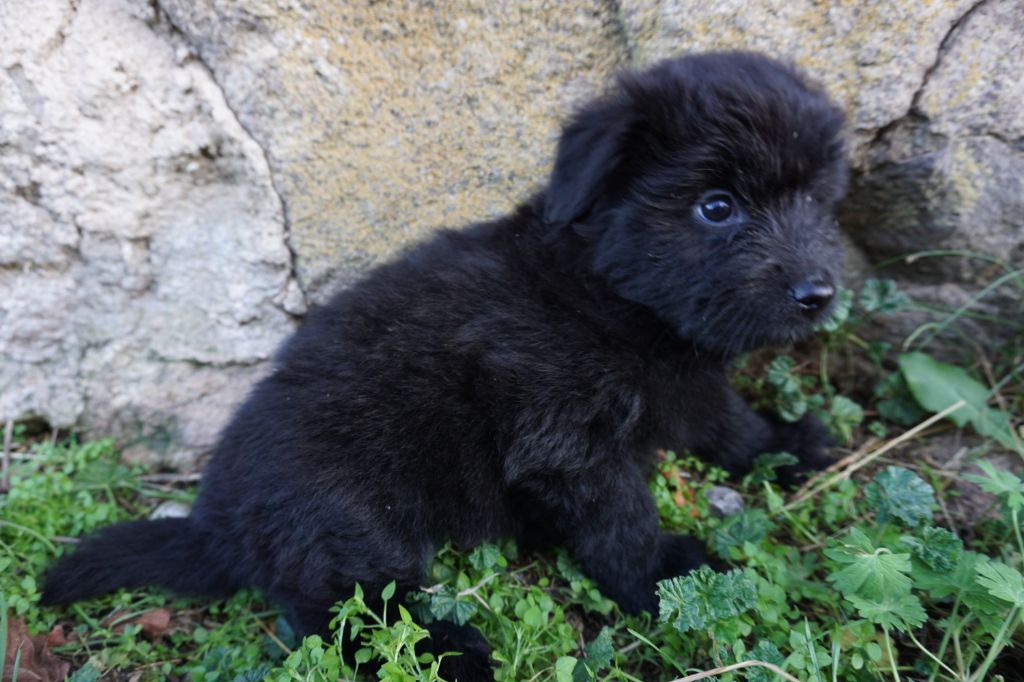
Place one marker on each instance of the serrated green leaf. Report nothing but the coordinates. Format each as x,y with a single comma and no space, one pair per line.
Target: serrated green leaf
485,556
765,652
1001,483
901,494
937,547
959,583
564,667
840,312
764,467
937,385
843,415
750,525
882,296
599,652
704,598
790,401
681,599
1002,582
87,673
869,573
892,611
445,605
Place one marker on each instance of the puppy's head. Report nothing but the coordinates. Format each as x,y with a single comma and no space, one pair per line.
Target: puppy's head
706,187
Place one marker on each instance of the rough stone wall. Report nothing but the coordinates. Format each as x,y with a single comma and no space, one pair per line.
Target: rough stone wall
144,272
180,178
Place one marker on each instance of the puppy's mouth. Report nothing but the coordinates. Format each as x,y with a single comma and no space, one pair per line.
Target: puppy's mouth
757,325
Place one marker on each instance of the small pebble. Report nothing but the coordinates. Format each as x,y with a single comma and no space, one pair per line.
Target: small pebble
170,510
724,501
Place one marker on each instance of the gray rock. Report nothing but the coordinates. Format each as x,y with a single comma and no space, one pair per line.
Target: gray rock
144,274
724,501
949,176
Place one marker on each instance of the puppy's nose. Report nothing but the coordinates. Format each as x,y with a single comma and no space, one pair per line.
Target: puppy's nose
813,294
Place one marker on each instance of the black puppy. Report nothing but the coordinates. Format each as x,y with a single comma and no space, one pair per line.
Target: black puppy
514,378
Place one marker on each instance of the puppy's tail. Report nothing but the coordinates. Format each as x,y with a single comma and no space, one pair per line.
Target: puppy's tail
169,553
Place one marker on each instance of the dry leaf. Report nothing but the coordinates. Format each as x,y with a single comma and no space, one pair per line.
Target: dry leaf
37,663
154,622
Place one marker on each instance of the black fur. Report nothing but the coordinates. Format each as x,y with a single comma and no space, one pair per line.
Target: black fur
514,378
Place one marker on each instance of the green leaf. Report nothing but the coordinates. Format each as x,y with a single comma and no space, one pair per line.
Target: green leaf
904,412
892,611
485,556
704,598
882,296
600,650
900,493
102,473
961,582
766,652
564,667
388,592
843,415
88,674
868,573
445,605
599,655
937,385
750,525
1001,483
895,402
949,584
1002,582
286,633
790,401
534,617
764,467
840,312
938,548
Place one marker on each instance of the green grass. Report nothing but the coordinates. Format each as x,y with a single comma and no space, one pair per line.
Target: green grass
869,573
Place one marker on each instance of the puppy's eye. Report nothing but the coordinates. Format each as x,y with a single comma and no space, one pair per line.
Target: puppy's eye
716,208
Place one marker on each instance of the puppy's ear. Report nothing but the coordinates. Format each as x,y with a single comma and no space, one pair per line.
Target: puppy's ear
591,150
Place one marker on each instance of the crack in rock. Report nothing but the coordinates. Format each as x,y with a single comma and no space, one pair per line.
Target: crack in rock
197,55
940,53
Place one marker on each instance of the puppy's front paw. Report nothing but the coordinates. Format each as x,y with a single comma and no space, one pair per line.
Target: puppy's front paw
807,440
678,555
674,555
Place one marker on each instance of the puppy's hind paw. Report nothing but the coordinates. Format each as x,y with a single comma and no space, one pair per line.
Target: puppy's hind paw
469,658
